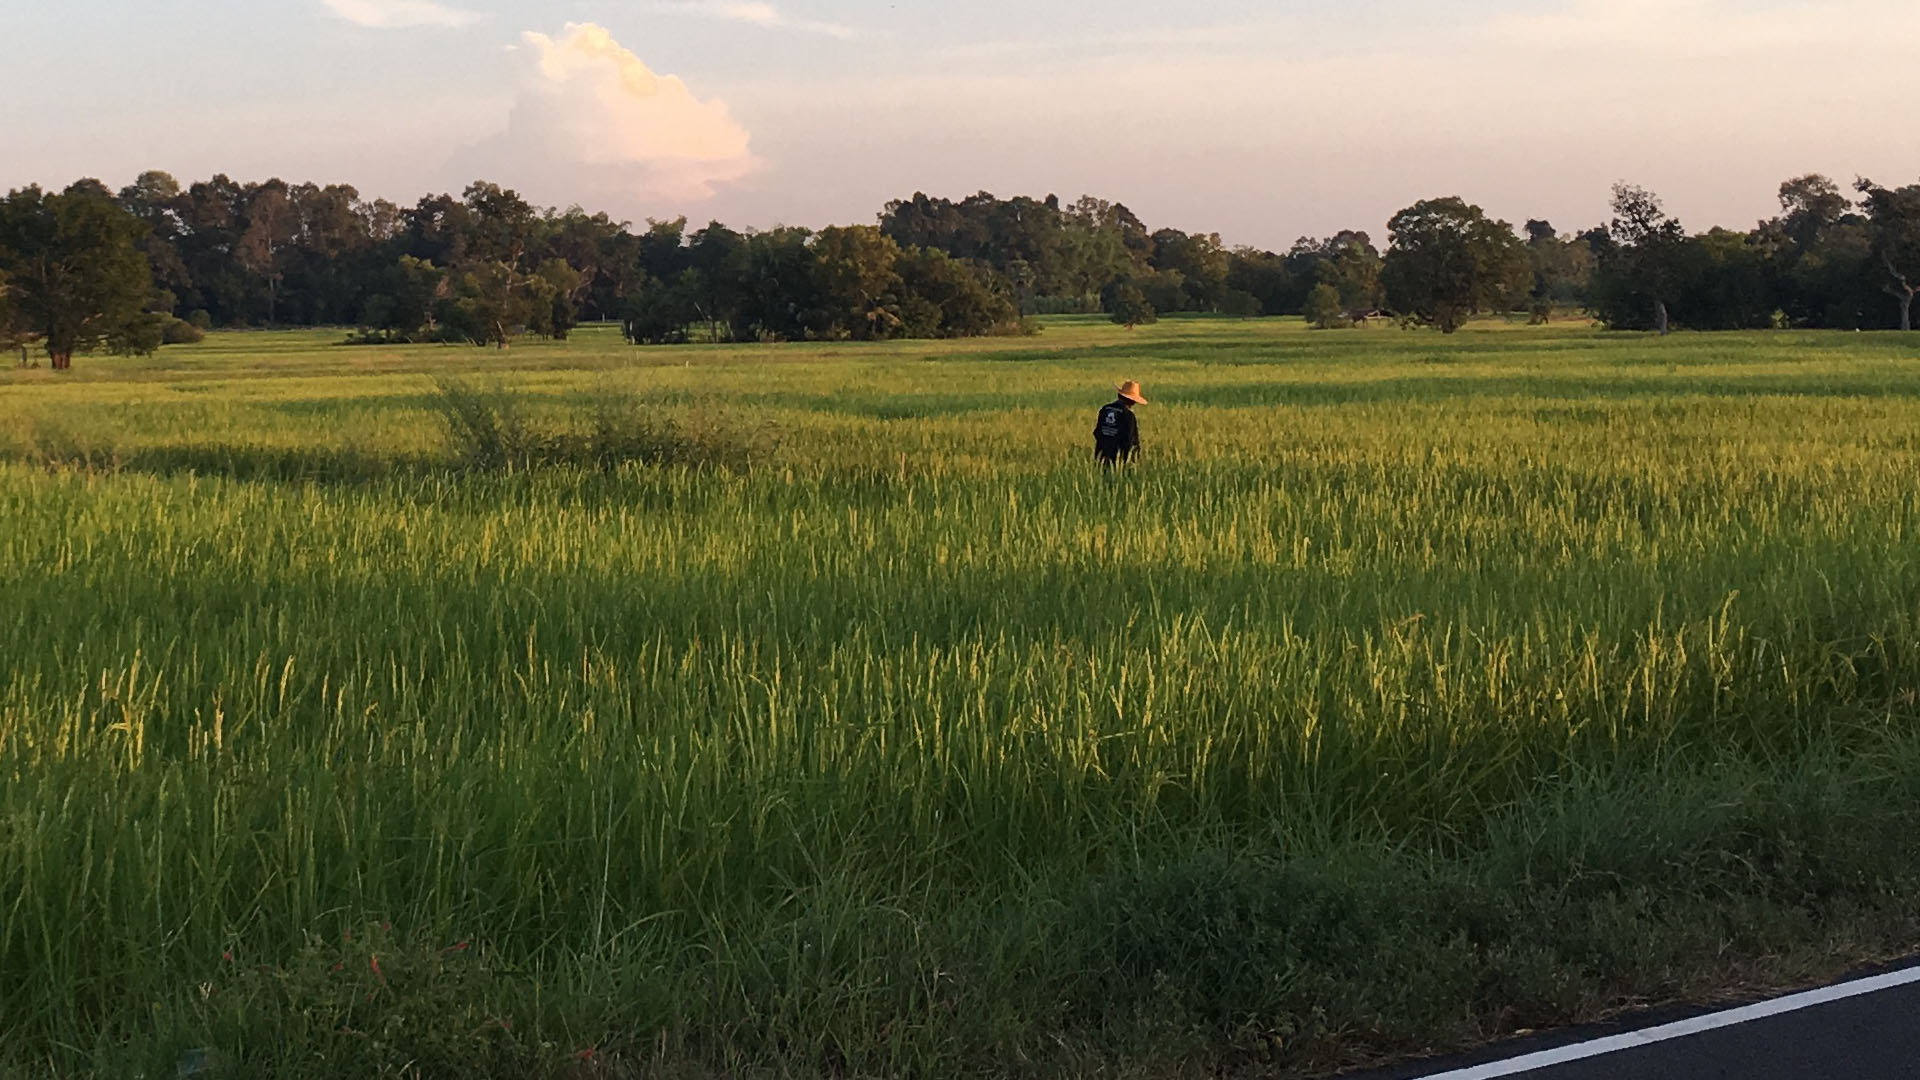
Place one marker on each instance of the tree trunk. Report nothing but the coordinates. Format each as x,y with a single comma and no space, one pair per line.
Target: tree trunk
1906,309
1660,317
61,361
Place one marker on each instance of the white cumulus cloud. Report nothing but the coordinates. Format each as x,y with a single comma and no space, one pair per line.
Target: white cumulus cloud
398,14
758,13
593,125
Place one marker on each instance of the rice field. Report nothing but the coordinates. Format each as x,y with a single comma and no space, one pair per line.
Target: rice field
1411,691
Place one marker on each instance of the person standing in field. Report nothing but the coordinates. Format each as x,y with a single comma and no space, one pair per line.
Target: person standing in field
1116,435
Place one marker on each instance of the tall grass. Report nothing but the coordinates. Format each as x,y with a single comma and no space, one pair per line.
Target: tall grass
1411,692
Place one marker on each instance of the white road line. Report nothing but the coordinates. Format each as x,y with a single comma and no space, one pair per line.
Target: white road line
1632,1039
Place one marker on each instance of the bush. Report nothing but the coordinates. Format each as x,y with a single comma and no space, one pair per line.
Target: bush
141,335
1128,306
490,432
625,430
388,337
181,332
201,319
1324,310
487,428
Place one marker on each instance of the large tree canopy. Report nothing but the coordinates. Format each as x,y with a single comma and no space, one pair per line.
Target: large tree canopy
1895,213
1644,252
76,274
857,275
1448,261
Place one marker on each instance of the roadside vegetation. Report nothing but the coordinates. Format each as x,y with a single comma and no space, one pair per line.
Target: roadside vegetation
817,710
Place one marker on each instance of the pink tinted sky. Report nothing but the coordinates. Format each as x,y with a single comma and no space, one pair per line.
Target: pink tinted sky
1260,119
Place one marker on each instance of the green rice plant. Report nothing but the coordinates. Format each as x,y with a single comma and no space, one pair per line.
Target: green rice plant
487,429
492,431
1409,691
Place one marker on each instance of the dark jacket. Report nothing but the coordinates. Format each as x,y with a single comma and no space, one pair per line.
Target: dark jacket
1116,435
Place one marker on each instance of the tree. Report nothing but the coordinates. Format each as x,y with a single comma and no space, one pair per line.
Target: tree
491,303
1895,214
1202,263
155,198
212,220
605,253
500,224
77,277
1835,282
1810,205
657,313
408,306
1646,249
559,317
333,258
1027,243
1118,219
1562,271
1819,259
13,334
1351,264
1054,257
945,297
661,251
1264,276
1448,261
1724,282
1128,305
718,257
1239,303
271,226
779,298
439,229
1100,242
1323,308
856,274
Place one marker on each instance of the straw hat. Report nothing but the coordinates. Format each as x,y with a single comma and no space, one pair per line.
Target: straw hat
1131,391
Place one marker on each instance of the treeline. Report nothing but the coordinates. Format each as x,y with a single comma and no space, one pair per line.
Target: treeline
1827,261
89,267
163,262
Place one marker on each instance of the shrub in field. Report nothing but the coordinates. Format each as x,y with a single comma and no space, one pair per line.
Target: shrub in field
181,332
487,428
625,429
490,431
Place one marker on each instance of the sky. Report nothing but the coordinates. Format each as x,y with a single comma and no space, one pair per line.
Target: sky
1262,120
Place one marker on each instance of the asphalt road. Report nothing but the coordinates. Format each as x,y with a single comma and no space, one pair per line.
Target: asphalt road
1869,1036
